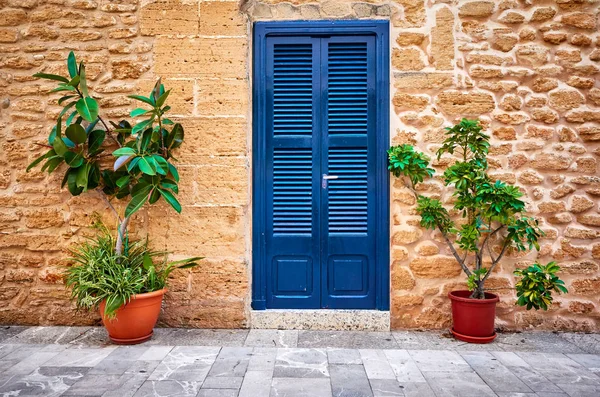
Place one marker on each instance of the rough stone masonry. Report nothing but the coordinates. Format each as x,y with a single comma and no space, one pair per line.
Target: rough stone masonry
528,69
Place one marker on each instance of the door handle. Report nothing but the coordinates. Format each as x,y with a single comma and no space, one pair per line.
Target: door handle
326,178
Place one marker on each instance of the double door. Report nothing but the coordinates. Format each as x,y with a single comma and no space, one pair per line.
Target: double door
319,174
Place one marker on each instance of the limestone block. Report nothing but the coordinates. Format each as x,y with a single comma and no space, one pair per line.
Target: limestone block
223,181
437,266
218,136
221,18
442,40
223,97
165,17
203,57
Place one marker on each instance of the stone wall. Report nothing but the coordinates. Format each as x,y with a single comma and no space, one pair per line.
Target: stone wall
528,69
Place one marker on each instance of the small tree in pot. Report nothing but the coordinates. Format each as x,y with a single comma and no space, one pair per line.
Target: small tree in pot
492,222
118,275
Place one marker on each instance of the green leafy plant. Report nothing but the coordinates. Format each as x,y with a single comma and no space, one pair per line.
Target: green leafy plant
143,171
492,217
537,283
96,273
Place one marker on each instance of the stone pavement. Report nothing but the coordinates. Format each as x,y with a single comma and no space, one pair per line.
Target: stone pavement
79,361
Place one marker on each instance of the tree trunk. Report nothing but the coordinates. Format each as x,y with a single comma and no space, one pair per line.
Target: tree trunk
478,292
120,235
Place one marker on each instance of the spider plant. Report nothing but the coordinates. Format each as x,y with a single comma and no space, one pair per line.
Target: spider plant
97,273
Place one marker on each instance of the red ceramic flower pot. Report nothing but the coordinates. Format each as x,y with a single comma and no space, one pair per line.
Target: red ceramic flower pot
473,319
134,321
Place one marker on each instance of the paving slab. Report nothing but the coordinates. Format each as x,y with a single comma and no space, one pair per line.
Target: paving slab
301,387
347,339
496,375
168,388
458,384
186,363
272,338
301,363
386,388
536,341
48,335
349,380
8,331
376,364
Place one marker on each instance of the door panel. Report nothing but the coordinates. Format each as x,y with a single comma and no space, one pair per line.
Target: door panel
348,152
292,183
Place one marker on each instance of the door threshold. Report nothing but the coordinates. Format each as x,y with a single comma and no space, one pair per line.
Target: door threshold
321,319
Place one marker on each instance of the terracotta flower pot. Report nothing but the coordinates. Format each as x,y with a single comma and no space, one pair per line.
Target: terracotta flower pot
135,321
473,319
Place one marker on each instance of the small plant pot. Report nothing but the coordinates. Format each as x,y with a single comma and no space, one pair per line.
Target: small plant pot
473,319
134,321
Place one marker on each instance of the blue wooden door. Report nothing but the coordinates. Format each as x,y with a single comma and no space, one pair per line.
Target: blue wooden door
320,174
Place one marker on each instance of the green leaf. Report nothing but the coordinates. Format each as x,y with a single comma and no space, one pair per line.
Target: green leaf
52,163
74,81
75,160
51,77
175,138
76,133
82,81
63,87
72,64
124,151
142,98
162,98
95,140
171,200
135,204
169,184
146,167
88,108
173,171
64,98
122,181
154,196
59,146
141,126
163,165
38,160
138,112
82,176
147,261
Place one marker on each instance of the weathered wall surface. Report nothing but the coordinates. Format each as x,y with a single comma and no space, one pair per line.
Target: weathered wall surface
200,50
528,69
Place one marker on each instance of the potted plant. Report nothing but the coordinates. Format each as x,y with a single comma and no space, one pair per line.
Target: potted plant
492,221
113,273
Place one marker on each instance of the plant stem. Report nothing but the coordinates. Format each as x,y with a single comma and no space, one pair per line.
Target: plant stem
121,232
453,250
107,201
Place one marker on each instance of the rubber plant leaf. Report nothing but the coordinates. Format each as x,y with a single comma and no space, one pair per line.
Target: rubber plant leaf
171,200
49,76
72,64
76,133
87,108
